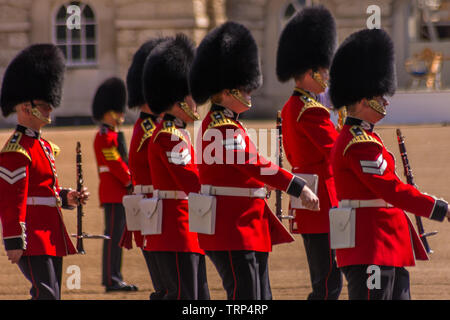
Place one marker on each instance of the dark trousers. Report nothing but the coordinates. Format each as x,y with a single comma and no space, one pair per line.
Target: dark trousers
245,274
183,275
393,282
155,275
326,278
44,273
112,252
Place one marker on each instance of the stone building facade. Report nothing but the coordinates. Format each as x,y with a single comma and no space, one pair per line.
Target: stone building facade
111,31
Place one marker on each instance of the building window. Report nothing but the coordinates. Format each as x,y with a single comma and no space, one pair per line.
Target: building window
78,45
430,20
291,8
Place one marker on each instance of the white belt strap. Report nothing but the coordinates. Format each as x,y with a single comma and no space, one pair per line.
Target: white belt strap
234,191
380,203
170,194
142,189
42,201
103,169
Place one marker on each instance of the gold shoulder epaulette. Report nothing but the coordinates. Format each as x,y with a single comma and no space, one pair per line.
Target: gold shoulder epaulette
360,136
219,119
169,127
309,102
13,145
55,148
148,126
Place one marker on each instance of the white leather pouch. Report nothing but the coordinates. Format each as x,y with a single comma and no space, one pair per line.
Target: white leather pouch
312,182
202,213
342,228
151,213
132,211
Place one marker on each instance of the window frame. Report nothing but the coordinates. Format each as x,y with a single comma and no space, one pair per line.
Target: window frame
82,42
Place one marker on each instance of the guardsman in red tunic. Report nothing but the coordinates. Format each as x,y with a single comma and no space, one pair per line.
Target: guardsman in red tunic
233,175
372,199
174,171
115,181
305,50
34,234
138,156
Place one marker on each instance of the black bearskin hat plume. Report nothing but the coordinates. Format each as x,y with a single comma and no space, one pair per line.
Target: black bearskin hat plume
166,71
307,42
134,76
227,58
36,73
363,67
111,95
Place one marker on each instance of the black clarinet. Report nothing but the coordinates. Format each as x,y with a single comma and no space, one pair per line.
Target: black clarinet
80,233
279,193
410,180
80,247
122,146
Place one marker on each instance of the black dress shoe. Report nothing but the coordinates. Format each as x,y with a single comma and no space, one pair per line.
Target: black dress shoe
157,295
121,286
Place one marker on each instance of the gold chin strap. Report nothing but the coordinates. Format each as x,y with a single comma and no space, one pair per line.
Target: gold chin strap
118,119
375,105
237,94
316,76
342,115
35,112
191,114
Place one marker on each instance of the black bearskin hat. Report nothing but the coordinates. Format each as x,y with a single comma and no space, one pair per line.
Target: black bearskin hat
36,73
166,72
111,95
363,67
134,76
307,42
227,58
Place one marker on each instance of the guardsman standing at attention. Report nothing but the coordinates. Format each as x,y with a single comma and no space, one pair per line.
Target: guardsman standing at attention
305,50
138,157
174,172
33,229
377,233
115,181
232,173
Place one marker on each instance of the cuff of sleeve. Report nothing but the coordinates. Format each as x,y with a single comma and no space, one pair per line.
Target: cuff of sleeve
63,194
295,187
14,243
439,211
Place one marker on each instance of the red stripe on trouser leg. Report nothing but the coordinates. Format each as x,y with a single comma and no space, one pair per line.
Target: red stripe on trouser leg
32,279
234,275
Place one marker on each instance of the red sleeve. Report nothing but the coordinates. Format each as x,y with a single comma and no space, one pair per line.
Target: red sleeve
13,202
117,167
247,159
368,163
317,126
178,158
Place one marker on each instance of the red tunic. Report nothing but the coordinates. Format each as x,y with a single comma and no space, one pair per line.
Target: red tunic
113,171
365,170
139,164
230,159
308,137
172,165
27,171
